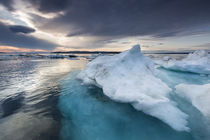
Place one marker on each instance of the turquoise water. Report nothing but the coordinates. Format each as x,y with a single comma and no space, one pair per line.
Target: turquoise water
89,115
199,125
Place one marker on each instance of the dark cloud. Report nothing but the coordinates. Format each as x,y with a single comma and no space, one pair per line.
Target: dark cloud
8,4
167,34
49,6
46,6
158,18
75,34
9,38
21,29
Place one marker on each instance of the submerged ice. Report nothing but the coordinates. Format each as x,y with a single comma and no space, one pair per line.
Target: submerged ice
130,77
196,62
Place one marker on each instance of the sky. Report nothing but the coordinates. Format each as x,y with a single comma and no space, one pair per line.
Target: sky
106,25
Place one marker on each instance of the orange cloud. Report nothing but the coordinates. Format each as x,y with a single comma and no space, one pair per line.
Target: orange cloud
15,49
94,49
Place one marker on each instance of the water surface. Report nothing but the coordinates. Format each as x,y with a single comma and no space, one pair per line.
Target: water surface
29,90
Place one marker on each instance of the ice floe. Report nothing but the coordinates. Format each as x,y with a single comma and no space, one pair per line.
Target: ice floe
196,62
38,56
130,77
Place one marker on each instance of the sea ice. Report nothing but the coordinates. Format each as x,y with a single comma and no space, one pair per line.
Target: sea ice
129,77
198,95
196,62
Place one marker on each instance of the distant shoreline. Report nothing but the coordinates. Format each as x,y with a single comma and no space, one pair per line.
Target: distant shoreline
89,52
103,52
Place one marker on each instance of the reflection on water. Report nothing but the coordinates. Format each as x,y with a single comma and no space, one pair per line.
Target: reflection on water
11,104
29,91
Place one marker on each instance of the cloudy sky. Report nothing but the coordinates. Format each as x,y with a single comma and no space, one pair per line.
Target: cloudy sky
62,25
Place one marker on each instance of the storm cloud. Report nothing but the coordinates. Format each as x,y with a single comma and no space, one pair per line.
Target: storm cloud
114,19
8,4
158,18
12,36
48,6
21,29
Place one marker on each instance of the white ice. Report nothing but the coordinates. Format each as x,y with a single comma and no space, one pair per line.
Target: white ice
196,62
129,77
198,95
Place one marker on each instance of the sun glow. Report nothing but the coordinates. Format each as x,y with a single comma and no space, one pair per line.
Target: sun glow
15,49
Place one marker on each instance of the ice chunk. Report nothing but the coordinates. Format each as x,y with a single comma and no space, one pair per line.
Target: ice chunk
92,56
196,62
130,77
198,95
166,58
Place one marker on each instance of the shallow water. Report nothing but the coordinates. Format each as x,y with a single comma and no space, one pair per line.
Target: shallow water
41,99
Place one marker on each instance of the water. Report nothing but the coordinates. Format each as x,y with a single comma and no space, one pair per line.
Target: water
40,99
29,90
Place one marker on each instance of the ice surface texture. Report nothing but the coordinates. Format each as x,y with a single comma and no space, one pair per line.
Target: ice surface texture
129,77
198,95
196,62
